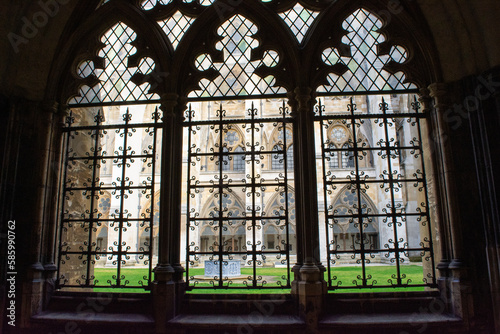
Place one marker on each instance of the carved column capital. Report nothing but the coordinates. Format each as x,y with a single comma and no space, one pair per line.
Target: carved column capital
302,99
437,89
440,93
168,103
50,106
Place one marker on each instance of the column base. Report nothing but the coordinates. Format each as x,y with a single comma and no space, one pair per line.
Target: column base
311,291
164,304
32,294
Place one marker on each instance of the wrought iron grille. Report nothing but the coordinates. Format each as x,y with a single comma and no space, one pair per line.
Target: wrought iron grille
376,207
109,214
366,67
299,20
240,222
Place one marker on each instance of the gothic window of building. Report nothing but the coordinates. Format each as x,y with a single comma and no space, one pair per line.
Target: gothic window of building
282,151
276,162
341,153
289,157
346,234
110,140
232,142
226,237
216,115
278,233
369,219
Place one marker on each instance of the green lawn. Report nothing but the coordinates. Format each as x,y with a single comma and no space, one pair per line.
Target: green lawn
380,275
342,276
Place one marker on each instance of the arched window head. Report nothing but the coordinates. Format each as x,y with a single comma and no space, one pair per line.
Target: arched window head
347,231
110,71
366,71
237,75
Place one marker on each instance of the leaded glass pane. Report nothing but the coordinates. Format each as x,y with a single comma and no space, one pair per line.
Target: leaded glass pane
299,20
114,80
176,26
202,2
149,4
365,66
237,77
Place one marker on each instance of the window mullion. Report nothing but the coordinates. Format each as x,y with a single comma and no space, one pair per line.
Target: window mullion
305,178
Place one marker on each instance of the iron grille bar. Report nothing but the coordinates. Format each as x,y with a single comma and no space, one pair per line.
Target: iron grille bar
369,93
382,181
244,185
242,97
410,214
194,219
249,153
327,150
111,127
110,188
69,122
360,116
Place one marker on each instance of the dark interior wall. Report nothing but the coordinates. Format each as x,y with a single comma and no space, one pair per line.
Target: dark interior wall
474,137
485,249
466,36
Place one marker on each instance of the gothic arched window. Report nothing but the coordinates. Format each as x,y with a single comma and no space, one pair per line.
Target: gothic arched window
221,106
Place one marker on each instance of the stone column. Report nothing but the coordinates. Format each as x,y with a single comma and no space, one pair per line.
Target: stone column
459,287
176,195
483,103
52,194
442,250
310,286
163,286
34,122
53,181
298,209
